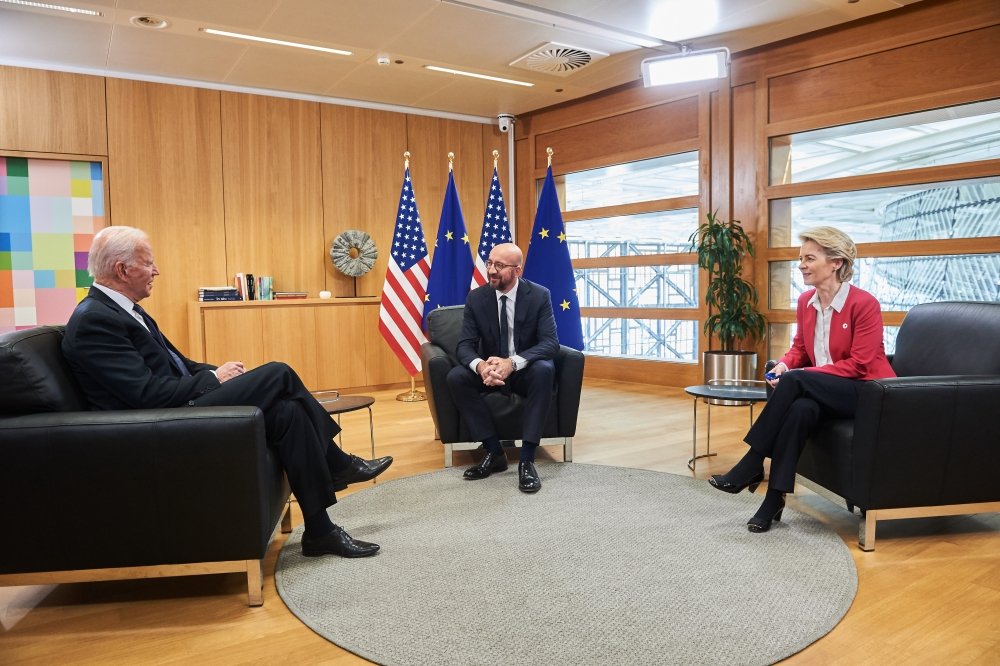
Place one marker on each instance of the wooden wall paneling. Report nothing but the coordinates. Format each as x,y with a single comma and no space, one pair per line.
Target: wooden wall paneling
273,190
381,364
493,139
289,334
659,373
919,22
362,175
430,140
958,61
234,334
52,112
341,343
525,196
166,178
619,138
612,102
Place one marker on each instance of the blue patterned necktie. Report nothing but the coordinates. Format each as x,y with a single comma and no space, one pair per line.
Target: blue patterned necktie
154,331
504,329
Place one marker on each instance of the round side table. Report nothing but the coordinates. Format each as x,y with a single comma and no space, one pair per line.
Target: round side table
336,404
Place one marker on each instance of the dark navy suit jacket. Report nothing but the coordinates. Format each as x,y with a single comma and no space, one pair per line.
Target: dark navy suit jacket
534,326
120,365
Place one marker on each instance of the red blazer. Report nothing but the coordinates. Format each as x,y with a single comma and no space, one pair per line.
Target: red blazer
856,346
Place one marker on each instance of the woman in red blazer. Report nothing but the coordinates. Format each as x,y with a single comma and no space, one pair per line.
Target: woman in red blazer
838,344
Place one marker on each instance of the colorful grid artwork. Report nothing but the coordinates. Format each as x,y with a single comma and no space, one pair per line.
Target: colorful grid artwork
49,213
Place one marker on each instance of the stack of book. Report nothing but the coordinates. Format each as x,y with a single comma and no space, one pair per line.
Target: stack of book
283,295
218,294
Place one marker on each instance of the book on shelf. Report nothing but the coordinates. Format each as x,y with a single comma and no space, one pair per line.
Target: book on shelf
218,294
284,295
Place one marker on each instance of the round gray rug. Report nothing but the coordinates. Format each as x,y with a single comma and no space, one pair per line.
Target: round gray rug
604,565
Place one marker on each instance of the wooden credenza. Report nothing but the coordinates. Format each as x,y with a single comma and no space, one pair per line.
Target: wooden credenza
332,343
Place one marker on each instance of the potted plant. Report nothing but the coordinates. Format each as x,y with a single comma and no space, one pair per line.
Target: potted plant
732,301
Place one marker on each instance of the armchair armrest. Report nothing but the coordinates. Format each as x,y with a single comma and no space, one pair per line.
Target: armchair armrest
180,483
928,440
436,364
569,377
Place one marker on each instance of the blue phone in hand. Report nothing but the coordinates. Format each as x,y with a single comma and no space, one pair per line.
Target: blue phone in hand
770,376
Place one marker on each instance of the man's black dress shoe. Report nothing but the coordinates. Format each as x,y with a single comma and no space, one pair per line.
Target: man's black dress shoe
359,470
725,485
493,462
527,477
337,542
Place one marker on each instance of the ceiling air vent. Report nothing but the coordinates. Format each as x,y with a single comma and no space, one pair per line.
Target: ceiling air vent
558,59
154,22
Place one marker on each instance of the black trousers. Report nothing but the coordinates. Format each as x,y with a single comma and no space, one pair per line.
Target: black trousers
298,428
534,383
800,401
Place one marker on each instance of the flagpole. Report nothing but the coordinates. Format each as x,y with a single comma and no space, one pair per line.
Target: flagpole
549,152
413,395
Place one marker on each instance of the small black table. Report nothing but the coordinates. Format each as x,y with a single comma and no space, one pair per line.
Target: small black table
733,393
336,404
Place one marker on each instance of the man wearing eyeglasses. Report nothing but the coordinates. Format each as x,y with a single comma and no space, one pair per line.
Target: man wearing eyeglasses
508,344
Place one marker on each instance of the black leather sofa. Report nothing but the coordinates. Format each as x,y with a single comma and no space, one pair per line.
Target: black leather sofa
444,326
99,495
926,443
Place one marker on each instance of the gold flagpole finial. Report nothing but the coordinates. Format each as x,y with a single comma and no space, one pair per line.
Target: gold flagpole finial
406,159
496,156
451,161
549,151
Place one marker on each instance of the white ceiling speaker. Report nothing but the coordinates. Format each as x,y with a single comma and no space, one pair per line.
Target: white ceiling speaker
153,22
558,59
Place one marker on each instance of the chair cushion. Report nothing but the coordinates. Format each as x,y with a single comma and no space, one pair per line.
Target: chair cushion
36,376
444,328
949,338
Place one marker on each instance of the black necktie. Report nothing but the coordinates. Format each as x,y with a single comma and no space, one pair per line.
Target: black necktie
504,329
154,331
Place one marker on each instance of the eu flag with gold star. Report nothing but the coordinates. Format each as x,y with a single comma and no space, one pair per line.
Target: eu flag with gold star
451,265
549,265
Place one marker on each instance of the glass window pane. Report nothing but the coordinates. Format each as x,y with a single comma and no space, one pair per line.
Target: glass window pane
899,283
663,232
966,133
956,209
638,287
657,339
780,339
646,180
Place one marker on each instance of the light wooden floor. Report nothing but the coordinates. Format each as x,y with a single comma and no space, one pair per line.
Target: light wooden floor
929,594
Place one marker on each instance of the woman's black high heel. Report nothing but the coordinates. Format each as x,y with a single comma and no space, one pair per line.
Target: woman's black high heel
719,481
761,524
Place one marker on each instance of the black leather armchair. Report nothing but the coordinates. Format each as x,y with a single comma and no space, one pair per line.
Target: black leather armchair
926,443
100,495
444,326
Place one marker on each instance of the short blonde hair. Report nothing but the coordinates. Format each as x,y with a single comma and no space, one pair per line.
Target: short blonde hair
111,245
836,245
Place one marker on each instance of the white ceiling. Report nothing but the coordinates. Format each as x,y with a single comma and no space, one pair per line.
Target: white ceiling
414,32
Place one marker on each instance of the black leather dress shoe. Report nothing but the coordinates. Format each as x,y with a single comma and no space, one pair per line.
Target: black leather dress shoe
527,477
337,542
359,470
493,462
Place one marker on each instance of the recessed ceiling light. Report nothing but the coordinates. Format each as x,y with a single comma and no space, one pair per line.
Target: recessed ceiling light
278,42
57,8
478,76
154,22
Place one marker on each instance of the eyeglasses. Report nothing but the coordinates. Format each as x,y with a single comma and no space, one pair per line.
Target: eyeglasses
497,265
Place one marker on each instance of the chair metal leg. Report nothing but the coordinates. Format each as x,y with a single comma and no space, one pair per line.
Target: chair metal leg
447,455
567,449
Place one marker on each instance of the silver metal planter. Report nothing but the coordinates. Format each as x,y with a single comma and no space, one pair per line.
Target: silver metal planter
732,368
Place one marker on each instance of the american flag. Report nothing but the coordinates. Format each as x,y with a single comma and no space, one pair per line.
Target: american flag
496,230
405,283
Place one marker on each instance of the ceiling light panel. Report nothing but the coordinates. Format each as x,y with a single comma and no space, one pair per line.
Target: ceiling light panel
69,9
275,42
